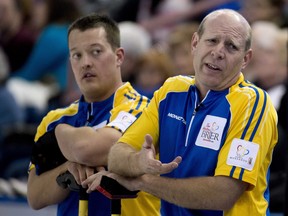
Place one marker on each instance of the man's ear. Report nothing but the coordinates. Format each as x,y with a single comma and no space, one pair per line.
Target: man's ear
194,41
120,56
247,58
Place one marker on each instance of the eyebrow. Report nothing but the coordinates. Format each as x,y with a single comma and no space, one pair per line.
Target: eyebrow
91,45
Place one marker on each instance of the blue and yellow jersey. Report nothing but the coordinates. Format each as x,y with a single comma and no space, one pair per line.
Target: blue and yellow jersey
229,133
119,112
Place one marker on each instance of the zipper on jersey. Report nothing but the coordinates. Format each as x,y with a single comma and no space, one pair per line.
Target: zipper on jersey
89,115
196,108
192,118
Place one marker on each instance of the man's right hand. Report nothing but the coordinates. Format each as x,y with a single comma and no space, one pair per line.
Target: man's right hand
148,163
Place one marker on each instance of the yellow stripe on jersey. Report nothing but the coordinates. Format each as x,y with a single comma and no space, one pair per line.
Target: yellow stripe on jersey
55,115
254,119
128,100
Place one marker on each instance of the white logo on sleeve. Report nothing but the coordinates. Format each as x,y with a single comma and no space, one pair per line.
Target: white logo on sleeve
123,121
101,125
211,132
242,154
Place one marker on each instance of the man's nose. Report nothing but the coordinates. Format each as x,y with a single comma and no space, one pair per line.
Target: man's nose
218,52
86,61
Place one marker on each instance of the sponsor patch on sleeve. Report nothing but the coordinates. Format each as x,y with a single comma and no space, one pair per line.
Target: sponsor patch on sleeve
122,121
242,154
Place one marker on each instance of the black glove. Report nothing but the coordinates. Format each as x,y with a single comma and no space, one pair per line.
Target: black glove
46,154
67,180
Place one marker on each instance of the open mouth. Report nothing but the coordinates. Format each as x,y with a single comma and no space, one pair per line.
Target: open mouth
213,67
88,75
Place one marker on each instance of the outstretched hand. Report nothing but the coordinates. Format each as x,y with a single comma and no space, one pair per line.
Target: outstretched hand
148,162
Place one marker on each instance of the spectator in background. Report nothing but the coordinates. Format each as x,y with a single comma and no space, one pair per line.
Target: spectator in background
153,68
16,38
268,68
179,48
39,15
283,60
284,12
99,6
159,17
11,118
48,63
136,41
11,114
265,10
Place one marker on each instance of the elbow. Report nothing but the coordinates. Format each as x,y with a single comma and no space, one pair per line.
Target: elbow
228,203
230,192
34,196
34,206
34,202
226,206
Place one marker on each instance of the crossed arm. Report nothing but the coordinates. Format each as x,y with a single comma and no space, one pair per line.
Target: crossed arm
81,145
214,193
85,145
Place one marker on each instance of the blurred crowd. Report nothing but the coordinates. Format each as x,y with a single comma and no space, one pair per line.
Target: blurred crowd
35,74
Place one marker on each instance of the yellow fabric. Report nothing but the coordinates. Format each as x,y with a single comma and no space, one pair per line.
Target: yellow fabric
252,202
83,208
144,205
54,115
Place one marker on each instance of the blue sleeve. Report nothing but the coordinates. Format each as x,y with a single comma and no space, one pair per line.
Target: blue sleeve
51,48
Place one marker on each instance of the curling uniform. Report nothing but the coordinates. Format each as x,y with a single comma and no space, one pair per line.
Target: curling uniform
229,133
119,112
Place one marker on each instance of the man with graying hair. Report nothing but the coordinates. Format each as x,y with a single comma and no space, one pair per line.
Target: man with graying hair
214,132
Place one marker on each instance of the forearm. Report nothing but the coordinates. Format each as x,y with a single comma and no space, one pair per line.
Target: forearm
213,193
85,145
70,141
122,159
43,190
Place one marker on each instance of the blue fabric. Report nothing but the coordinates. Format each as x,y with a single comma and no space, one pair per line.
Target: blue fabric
98,205
49,57
214,104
